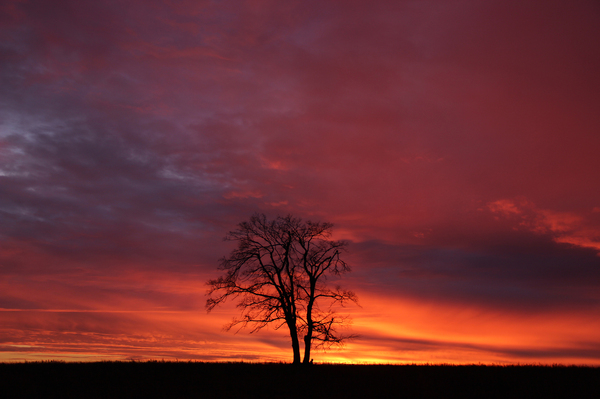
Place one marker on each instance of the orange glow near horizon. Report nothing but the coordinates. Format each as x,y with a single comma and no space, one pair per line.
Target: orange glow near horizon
391,330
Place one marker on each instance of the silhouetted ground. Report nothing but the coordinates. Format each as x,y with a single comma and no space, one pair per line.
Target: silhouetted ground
247,380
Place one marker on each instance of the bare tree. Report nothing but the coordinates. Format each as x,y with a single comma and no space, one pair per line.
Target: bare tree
279,272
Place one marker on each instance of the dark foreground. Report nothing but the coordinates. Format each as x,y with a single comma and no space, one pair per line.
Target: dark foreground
245,380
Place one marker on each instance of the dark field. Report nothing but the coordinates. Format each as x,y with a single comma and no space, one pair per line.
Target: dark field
246,380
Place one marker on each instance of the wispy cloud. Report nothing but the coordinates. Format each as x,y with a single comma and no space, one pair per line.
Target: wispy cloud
564,227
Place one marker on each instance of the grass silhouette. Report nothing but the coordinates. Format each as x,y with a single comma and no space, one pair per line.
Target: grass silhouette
277,380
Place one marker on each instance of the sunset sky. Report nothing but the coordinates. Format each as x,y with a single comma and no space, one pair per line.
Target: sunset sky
454,143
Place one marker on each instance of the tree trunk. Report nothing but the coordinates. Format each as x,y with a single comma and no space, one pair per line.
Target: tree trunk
295,342
307,344
309,322
295,347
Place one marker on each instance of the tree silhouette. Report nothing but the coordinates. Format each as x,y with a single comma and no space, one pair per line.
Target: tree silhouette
279,272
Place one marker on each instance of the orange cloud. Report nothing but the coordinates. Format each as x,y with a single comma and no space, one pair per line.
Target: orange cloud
506,207
565,227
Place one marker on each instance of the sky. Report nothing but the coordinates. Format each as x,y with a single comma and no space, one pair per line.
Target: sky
453,143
